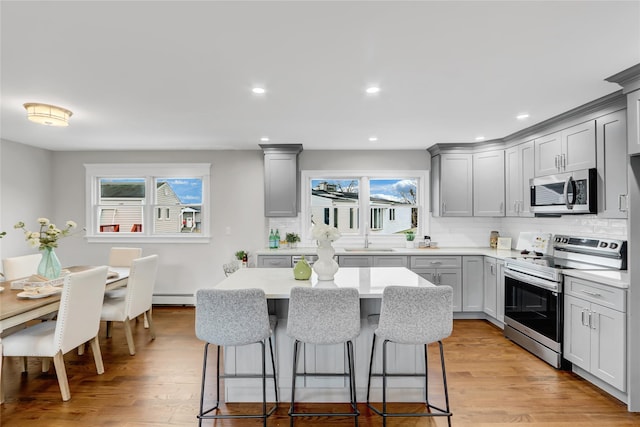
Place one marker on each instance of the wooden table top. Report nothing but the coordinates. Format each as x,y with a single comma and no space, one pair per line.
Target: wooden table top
12,308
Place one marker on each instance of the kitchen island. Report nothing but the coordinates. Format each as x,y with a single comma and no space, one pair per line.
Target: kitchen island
277,283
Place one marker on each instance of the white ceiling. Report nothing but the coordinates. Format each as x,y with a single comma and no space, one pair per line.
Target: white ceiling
178,75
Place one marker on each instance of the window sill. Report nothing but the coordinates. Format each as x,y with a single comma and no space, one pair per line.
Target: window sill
147,239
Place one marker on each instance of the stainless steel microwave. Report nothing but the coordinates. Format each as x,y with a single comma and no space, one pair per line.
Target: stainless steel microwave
565,193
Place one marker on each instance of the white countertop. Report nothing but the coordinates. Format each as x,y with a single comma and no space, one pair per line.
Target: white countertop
616,278
484,251
277,282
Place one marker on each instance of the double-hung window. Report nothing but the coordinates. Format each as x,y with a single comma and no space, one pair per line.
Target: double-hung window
139,202
380,205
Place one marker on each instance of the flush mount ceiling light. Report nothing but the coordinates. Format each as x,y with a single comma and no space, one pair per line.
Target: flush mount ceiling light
522,116
372,89
479,138
373,139
258,90
264,139
46,114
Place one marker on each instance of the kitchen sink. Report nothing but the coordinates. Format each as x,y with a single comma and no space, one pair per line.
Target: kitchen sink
368,249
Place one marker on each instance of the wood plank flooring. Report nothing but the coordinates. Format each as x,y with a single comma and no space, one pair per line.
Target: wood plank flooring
492,382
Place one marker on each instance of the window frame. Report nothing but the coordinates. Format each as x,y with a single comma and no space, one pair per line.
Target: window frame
150,172
364,204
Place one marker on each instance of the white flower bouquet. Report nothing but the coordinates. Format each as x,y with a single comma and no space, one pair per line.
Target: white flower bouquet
325,232
48,235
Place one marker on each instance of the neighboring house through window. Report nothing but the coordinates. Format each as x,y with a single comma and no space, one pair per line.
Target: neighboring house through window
386,203
138,201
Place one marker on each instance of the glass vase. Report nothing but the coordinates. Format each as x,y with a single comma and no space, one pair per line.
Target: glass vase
325,267
49,266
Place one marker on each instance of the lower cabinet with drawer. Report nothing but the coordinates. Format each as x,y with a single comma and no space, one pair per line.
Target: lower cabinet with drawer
595,330
274,261
439,270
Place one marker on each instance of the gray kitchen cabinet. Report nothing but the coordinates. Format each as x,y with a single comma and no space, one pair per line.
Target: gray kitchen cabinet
611,143
488,183
355,260
390,261
281,179
490,287
441,270
445,276
274,261
568,150
472,283
500,296
595,330
633,122
519,169
452,184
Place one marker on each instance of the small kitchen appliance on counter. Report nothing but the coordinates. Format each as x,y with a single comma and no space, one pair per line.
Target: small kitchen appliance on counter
533,290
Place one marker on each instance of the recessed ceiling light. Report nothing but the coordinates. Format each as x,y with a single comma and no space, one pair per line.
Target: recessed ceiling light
373,139
373,89
522,116
258,90
479,138
264,139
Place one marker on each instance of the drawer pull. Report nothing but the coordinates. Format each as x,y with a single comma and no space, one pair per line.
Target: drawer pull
593,294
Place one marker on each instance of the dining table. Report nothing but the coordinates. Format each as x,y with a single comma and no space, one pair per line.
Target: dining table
16,311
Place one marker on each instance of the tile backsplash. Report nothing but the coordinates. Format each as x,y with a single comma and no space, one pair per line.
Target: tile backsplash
474,231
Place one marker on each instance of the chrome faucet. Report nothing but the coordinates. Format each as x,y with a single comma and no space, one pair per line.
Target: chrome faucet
366,240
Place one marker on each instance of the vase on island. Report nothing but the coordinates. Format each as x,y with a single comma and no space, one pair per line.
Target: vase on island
325,267
49,266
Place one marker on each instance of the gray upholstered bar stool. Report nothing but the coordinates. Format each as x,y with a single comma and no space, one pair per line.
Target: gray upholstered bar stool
324,316
235,318
418,316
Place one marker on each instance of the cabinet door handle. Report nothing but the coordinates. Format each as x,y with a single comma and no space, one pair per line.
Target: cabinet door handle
592,320
622,207
439,279
501,207
555,160
564,161
435,262
584,311
444,208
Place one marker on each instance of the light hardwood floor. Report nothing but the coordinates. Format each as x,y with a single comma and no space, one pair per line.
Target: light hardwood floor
492,382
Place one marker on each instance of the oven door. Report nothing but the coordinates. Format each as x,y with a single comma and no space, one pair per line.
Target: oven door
533,306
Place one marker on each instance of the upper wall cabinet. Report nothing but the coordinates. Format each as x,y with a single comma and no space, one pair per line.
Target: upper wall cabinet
518,167
633,114
281,179
488,183
568,150
612,156
452,184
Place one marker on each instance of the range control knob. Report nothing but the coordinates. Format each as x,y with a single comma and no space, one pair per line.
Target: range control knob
565,240
613,245
604,244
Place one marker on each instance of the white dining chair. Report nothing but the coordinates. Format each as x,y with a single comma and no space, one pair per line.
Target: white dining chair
20,266
136,301
78,322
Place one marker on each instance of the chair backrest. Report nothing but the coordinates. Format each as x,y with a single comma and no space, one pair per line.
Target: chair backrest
80,307
20,266
232,317
123,257
142,279
323,315
416,315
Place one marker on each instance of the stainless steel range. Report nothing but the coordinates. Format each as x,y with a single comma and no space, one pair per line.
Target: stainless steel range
533,290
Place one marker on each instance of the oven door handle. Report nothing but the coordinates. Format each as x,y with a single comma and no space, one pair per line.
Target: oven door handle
535,281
